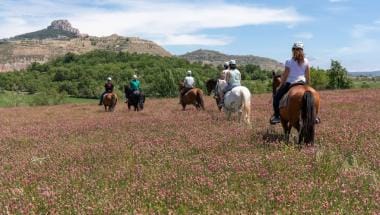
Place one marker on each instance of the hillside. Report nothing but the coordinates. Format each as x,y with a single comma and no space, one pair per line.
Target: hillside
40,46
78,159
218,58
368,74
58,29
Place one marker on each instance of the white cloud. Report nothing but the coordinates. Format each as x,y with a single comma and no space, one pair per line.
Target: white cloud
360,31
169,22
304,35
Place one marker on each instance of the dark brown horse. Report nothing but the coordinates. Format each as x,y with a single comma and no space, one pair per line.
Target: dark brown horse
300,111
210,86
192,97
135,98
109,102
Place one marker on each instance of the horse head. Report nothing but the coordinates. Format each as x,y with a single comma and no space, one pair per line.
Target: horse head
276,82
210,85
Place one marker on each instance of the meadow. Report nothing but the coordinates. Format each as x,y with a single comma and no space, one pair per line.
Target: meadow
75,158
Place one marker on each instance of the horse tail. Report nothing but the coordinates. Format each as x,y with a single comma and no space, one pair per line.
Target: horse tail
200,99
246,106
308,116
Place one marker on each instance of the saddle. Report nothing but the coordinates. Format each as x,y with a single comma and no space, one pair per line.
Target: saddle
285,99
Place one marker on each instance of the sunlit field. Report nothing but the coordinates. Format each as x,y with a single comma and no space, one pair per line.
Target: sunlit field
75,158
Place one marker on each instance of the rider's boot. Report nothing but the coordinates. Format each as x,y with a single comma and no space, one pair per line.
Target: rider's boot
275,119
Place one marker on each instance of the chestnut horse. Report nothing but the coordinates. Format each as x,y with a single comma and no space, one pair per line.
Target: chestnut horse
300,110
192,97
109,102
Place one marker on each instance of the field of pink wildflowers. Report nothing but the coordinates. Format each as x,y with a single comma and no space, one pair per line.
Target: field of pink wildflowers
79,159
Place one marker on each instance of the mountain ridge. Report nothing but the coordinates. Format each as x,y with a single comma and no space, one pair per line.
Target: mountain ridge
60,38
218,58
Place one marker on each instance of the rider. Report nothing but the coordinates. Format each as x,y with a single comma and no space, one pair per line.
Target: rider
188,83
226,68
297,70
233,78
135,84
108,89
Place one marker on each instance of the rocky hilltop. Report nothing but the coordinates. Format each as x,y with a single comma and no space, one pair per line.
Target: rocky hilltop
60,38
217,58
63,25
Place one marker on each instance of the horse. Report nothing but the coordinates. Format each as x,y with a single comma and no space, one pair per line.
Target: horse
193,96
236,100
109,102
210,85
299,110
135,98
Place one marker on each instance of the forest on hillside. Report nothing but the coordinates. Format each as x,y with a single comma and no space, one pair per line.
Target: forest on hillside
84,75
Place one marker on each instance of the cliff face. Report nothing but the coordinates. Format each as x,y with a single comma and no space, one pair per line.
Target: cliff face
217,58
19,52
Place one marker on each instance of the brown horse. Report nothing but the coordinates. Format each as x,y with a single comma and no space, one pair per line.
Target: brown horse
300,110
192,97
109,102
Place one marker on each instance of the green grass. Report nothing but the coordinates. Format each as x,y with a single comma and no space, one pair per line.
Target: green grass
20,99
366,84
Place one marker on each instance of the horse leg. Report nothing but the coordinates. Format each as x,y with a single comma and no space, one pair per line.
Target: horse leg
228,113
183,106
239,115
287,128
300,132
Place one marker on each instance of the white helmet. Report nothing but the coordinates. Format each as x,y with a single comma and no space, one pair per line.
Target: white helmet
189,72
135,76
232,62
226,63
109,79
298,45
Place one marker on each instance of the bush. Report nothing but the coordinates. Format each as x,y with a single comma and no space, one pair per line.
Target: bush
48,97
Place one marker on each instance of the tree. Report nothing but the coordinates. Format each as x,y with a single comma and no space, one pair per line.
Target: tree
319,78
338,77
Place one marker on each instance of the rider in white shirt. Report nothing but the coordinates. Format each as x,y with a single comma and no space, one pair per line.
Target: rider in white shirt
297,70
188,83
233,79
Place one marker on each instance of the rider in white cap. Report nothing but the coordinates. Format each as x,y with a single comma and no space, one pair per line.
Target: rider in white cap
188,84
108,89
297,71
233,79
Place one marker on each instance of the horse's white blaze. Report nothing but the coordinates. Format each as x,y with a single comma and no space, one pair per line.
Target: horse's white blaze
237,100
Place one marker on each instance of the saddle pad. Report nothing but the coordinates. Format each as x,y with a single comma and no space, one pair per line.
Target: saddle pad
284,100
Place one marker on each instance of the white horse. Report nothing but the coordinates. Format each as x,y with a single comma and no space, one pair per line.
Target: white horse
236,100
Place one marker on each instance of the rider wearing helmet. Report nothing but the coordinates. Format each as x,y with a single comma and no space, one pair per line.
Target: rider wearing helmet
108,86
226,68
233,79
188,84
135,84
297,71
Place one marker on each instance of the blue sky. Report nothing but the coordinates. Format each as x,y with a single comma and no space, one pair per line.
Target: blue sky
345,30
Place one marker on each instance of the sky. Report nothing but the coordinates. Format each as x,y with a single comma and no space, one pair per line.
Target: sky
343,30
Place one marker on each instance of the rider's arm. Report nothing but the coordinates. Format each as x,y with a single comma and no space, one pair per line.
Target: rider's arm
285,75
307,75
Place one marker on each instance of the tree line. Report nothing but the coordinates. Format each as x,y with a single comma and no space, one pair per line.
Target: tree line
84,75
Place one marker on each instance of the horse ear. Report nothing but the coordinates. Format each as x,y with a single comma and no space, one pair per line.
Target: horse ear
273,74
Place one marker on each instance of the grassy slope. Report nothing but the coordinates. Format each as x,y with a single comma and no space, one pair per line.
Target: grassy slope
77,159
13,99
